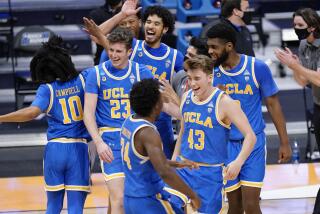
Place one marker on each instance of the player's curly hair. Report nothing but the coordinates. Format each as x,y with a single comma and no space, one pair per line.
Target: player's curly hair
144,96
52,62
224,32
163,13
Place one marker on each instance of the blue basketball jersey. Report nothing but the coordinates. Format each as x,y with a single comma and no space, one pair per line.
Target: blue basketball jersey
205,136
113,87
63,103
141,179
248,83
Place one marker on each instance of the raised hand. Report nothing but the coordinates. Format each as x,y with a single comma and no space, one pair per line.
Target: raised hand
95,32
129,7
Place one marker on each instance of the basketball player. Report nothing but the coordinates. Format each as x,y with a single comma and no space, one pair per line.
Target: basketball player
247,80
145,164
162,60
107,106
207,113
61,97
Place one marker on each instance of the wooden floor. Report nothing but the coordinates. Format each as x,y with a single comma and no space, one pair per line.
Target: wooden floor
287,190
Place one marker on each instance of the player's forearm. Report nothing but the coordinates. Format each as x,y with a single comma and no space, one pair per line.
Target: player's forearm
91,125
22,115
177,147
172,109
274,108
173,180
247,147
107,26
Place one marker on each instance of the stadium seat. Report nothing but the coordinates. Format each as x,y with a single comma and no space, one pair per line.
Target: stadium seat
184,36
170,4
199,8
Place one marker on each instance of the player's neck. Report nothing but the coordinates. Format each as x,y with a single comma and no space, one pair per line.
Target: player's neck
232,61
149,119
121,66
206,94
154,45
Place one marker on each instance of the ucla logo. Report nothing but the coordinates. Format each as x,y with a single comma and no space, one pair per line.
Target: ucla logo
187,101
246,75
209,110
168,63
132,78
218,74
104,78
140,54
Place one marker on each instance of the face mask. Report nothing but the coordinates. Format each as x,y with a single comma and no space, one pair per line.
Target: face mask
247,17
302,33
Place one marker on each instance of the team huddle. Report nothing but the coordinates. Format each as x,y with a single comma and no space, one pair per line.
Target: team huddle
125,107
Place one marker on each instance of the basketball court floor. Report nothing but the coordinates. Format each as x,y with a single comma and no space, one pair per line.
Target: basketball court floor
287,189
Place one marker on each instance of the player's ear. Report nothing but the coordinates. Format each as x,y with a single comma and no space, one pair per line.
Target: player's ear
229,46
165,30
129,52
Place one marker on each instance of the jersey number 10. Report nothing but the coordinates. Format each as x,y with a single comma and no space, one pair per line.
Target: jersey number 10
75,109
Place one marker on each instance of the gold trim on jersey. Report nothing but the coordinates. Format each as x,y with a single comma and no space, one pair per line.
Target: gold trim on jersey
155,57
51,98
98,75
182,196
82,81
253,72
206,100
166,204
233,187
54,188
108,129
136,153
173,63
67,140
251,184
203,164
183,99
217,112
135,49
77,188
114,77
237,73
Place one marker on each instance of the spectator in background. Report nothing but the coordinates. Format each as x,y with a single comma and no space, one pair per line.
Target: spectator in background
102,14
233,13
306,68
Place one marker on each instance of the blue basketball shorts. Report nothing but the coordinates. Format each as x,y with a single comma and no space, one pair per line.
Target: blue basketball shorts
253,170
207,182
114,169
155,204
66,165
